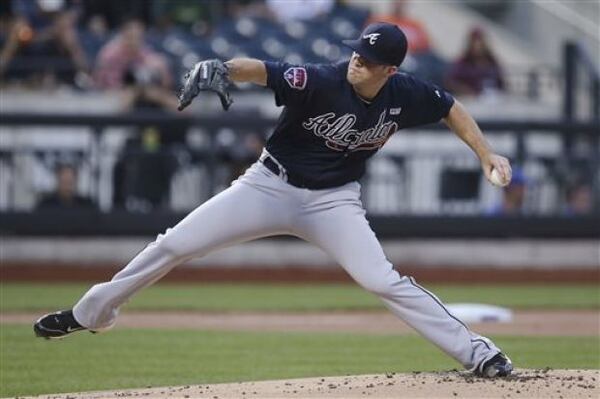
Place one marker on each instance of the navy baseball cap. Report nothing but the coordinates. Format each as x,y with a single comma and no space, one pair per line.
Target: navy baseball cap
381,43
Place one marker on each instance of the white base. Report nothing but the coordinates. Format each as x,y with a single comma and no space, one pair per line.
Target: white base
480,313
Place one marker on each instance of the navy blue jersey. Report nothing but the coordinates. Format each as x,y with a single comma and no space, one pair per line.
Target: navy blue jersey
326,132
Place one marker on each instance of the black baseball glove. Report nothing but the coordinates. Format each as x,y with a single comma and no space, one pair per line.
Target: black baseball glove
209,75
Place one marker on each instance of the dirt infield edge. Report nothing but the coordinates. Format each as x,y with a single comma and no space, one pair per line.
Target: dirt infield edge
298,274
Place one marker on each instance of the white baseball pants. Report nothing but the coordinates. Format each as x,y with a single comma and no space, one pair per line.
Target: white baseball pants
261,204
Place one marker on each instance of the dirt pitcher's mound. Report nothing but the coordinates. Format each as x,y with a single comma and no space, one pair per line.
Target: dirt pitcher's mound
522,384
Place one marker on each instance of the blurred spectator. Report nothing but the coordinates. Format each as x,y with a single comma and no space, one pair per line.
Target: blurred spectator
189,15
114,13
142,174
422,61
127,54
513,197
141,74
7,20
43,28
65,196
418,39
579,200
247,8
477,70
289,10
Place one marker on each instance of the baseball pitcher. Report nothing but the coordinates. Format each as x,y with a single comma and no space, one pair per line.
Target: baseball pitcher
305,183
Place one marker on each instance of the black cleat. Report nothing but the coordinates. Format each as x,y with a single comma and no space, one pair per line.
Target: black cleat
498,366
57,325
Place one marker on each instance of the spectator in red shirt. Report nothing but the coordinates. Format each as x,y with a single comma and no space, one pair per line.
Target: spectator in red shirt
476,70
127,53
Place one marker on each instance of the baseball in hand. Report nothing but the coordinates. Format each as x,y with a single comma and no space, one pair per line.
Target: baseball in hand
497,180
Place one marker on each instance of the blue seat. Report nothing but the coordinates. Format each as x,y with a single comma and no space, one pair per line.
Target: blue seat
342,28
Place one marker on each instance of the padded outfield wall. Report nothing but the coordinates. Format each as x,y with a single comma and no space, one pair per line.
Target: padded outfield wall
292,260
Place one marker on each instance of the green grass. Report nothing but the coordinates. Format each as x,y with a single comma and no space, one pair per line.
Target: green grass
133,358
294,297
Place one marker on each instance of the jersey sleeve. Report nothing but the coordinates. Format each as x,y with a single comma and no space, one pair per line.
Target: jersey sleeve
430,103
292,84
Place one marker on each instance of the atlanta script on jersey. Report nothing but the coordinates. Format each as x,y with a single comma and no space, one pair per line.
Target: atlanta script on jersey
336,130
340,135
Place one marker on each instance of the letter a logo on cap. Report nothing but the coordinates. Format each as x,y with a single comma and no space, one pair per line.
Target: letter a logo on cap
372,37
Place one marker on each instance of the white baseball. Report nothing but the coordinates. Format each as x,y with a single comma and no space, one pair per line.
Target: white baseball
497,180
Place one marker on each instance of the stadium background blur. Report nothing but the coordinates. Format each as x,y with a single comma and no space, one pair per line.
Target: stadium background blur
94,159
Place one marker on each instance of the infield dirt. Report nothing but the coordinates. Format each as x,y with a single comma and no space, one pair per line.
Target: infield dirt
522,384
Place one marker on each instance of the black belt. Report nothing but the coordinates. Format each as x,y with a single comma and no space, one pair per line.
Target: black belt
293,179
284,174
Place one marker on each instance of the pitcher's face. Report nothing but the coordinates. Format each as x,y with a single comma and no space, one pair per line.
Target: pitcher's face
363,71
